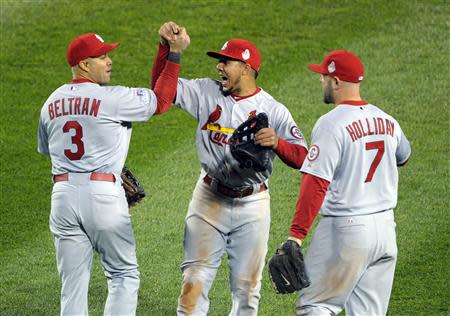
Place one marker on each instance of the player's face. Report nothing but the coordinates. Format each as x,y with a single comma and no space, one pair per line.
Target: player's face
327,87
99,68
230,71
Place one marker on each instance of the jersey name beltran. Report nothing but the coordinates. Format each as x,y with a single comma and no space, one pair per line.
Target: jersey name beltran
73,106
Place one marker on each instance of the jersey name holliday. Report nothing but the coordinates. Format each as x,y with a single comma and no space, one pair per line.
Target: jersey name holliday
376,126
73,106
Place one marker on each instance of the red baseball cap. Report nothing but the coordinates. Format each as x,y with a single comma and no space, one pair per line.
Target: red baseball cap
85,46
342,64
239,49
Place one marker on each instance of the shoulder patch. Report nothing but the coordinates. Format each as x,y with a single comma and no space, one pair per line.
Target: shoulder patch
296,132
313,152
144,96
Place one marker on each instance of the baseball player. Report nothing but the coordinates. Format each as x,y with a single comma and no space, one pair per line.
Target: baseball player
85,128
350,175
230,207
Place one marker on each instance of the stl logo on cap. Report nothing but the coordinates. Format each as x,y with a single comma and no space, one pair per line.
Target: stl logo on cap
224,46
246,54
331,67
99,38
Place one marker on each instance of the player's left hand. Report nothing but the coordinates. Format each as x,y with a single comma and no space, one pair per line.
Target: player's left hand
287,268
134,191
267,137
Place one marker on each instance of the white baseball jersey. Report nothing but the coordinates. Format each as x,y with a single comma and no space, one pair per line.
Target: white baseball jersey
219,115
238,227
86,127
357,149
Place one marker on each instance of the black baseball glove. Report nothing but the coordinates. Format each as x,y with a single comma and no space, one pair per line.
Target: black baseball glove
287,268
243,147
133,189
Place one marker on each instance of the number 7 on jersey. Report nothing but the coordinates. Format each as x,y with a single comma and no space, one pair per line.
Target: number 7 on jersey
379,146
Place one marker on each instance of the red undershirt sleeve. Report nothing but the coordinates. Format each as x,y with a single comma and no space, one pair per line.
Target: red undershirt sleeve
158,64
164,79
166,87
291,154
310,199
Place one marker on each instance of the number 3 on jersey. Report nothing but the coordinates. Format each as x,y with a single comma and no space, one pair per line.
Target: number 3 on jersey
76,140
379,146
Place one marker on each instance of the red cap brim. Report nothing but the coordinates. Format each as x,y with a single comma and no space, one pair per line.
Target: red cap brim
105,49
219,55
317,68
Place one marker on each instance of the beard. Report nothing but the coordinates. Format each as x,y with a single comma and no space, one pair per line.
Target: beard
233,87
328,96
225,91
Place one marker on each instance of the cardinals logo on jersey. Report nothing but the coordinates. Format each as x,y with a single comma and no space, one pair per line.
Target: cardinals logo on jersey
214,116
217,134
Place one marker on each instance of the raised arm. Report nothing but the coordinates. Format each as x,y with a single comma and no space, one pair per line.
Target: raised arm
165,72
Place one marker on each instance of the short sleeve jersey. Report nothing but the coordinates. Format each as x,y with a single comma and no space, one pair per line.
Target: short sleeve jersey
357,149
86,127
218,115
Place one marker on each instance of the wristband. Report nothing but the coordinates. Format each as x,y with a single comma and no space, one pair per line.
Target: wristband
298,241
174,57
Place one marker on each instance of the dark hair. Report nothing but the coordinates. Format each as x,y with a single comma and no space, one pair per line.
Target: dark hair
255,73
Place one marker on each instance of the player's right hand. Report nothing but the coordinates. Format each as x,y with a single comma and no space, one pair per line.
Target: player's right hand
181,41
167,32
267,137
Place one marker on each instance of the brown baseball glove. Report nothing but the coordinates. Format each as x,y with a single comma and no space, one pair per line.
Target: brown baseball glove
134,191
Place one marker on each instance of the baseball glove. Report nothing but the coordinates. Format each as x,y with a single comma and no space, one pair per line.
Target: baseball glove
243,147
134,191
287,268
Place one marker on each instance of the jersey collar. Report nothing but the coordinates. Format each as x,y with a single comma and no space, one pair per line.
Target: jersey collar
82,80
239,98
355,103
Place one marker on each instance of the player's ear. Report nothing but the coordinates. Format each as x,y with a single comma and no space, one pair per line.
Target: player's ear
335,82
247,69
83,65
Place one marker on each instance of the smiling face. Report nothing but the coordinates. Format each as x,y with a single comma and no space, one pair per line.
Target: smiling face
98,69
230,72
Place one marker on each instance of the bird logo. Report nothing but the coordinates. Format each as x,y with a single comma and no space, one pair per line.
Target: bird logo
213,117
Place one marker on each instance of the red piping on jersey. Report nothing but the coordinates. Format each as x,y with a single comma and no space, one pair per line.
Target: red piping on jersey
292,155
81,80
310,199
239,98
354,102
